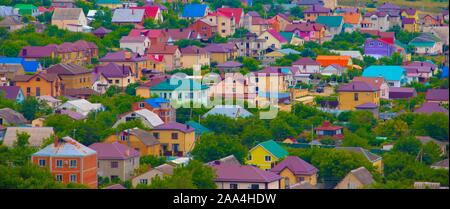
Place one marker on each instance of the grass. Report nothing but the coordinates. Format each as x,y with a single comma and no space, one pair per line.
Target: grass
428,6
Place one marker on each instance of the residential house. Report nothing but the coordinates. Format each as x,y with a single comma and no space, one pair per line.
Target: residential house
68,161
153,80
312,12
72,19
229,67
116,161
11,118
437,96
427,44
357,93
377,82
378,48
292,38
327,130
82,106
224,23
306,3
375,160
138,139
356,179
430,108
326,60
221,53
442,32
27,9
72,76
231,111
254,23
133,60
38,135
63,3
271,79
307,65
71,114
401,93
151,12
205,28
8,11
159,106
273,39
173,35
443,164
266,154
229,176
39,84
429,20
146,178
111,74
236,13
192,56
176,139
394,75
111,4
171,55
80,52
307,31
410,25
375,21
148,118
250,46
156,36
333,24
333,69
393,12
128,16
410,13
194,11
137,44
10,67
352,21
280,21
181,90
13,93
11,23
271,57
295,170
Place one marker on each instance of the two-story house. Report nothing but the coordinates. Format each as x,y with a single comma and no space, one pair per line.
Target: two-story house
176,139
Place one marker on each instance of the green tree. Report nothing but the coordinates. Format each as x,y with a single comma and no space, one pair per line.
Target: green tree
32,108
431,153
353,140
215,146
22,139
408,145
361,119
392,129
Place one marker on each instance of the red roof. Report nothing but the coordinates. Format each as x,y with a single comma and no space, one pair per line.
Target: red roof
234,12
277,35
326,126
154,33
150,11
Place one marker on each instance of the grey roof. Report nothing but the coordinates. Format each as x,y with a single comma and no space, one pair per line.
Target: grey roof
363,175
230,159
232,111
67,13
442,163
145,137
166,168
128,15
37,135
12,117
368,155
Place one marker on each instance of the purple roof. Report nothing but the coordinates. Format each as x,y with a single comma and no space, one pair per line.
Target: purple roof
101,31
112,70
423,64
408,20
11,92
229,64
296,165
120,57
367,105
133,39
72,114
273,70
245,173
357,86
437,95
431,107
317,9
401,92
410,11
221,48
378,14
305,61
115,150
175,126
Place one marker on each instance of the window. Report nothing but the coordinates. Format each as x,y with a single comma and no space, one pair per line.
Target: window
142,105
175,147
174,135
114,178
356,96
73,163
38,91
223,24
301,179
114,164
254,186
117,81
59,177
233,186
41,162
109,81
123,137
143,181
73,177
156,135
351,185
267,158
59,163
249,157
38,79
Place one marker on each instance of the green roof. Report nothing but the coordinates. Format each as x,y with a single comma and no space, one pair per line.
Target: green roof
183,84
330,21
199,129
108,2
274,148
287,36
422,44
25,6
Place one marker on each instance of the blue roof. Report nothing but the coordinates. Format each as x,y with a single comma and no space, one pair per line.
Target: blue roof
199,129
444,72
11,60
194,10
28,66
388,72
155,102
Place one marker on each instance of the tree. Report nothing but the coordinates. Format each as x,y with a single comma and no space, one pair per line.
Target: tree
431,153
361,119
409,145
281,129
392,129
182,43
32,108
215,146
150,23
136,123
297,12
254,134
22,139
353,140
153,161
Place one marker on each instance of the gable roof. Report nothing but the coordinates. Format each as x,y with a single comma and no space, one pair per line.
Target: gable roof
155,102
199,129
9,21
388,72
232,111
295,164
193,50
234,12
194,10
37,135
145,137
66,147
10,92
375,81
368,155
330,21
150,116
68,69
112,70
351,18
317,9
175,126
150,11
431,107
357,86
128,15
113,151
67,13
437,95
11,116
121,56
363,176
305,61
274,148
243,173
277,35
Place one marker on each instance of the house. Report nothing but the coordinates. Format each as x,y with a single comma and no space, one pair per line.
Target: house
115,160
63,3
410,13
148,118
401,93
111,74
147,177
314,11
443,164
10,117
151,12
426,44
377,161
307,31
11,23
356,179
421,65
176,139
79,52
39,84
72,19
271,57
393,12
271,79
279,21
204,28
111,4
154,79
333,69
72,76
375,21
221,53
156,36
378,48
229,67
250,46
38,135
377,82
159,106
410,25
181,90
133,60
236,13
128,16
295,170
266,154
171,55
307,65
68,161
306,3
82,106
115,186
224,23
71,114
418,73
357,93
138,139
327,130
442,32
11,66
229,176
27,10
254,23
195,11
101,32
273,39
430,108
437,96
394,75
13,93
192,56
326,60
173,35
137,44
352,21
333,24
231,111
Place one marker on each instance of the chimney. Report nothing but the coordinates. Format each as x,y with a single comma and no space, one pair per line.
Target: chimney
127,152
56,140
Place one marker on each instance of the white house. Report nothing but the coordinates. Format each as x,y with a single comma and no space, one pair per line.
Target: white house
148,118
82,106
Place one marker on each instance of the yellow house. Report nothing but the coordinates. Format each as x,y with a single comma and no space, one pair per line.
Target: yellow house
356,179
265,79
138,139
410,13
194,55
176,139
357,93
266,154
224,23
273,39
220,53
72,76
294,170
72,19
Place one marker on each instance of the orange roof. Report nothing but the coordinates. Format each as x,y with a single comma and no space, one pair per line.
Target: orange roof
352,18
326,60
332,57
